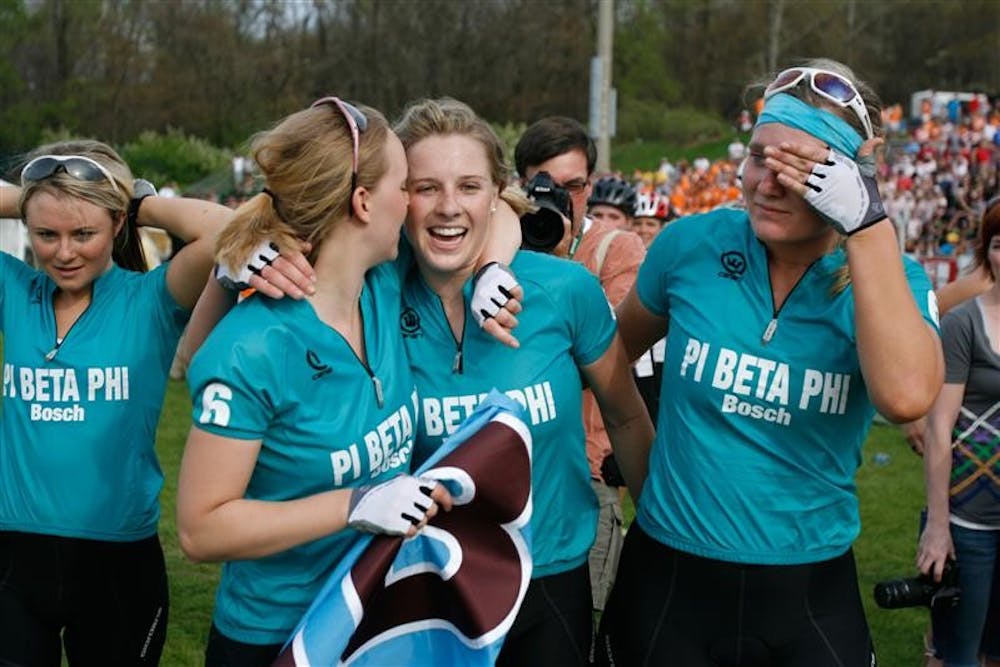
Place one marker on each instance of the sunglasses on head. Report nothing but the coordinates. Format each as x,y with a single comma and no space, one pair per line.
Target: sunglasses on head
358,124
828,85
80,167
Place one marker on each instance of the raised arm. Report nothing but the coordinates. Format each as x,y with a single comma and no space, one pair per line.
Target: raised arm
195,221
900,353
10,195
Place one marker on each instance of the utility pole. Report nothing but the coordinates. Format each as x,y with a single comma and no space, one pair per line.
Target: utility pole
605,47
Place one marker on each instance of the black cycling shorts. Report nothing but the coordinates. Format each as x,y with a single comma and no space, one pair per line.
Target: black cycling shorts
555,624
672,608
106,601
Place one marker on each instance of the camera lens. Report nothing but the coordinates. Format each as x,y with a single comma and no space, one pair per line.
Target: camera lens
542,230
900,593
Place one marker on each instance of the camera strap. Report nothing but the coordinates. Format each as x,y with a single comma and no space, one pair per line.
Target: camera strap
602,250
575,243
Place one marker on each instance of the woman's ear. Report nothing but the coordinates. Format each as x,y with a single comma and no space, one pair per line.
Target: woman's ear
361,203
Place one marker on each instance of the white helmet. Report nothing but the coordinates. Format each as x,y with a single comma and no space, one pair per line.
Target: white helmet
653,205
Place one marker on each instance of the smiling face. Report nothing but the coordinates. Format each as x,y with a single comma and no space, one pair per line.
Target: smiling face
777,214
72,239
646,228
451,196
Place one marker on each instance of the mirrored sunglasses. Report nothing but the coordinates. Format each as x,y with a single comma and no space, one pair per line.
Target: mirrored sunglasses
828,85
80,167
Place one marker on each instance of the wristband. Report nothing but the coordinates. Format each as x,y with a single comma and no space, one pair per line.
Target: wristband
844,194
141,188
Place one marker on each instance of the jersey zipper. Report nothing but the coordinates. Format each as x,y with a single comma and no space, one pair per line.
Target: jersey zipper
376,382
458,361
51,354
772,326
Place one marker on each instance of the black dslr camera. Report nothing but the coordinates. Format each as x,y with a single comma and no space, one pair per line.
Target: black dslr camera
921,591
543,229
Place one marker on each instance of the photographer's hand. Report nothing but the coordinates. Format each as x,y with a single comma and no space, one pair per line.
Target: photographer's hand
935,549
562,249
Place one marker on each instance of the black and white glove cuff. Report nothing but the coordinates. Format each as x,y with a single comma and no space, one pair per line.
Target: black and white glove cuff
261,256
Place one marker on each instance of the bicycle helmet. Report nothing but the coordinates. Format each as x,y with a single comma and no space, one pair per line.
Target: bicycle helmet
652,205
612,191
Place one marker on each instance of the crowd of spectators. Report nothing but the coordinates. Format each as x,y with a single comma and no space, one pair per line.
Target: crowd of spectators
939,173
936,175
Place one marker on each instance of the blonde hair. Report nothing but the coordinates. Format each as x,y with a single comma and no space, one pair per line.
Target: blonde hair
842,276
306,160
114,198
442,116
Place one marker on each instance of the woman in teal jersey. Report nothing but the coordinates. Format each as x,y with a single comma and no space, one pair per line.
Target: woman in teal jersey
456,177
304,410
88,341
787,325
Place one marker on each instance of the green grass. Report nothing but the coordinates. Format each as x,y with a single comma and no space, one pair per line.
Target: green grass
891,498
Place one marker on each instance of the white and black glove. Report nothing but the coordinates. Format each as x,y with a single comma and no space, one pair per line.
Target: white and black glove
261,256
844,194
491,290
391,507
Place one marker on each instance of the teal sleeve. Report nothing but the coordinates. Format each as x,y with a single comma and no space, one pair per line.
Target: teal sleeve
234,381
14,275
651,283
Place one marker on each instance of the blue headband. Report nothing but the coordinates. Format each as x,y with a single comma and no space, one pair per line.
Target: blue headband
820,123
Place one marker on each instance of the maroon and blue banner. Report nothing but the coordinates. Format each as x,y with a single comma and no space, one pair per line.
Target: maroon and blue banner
448,595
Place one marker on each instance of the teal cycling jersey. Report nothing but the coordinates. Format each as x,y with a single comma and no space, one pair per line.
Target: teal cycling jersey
566,323
761,416
77,456
273,371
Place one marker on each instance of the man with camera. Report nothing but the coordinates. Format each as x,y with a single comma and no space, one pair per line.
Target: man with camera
556,159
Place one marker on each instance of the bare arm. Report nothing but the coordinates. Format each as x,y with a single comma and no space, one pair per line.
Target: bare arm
963,289
9,196
949,296
638,327
195,221
502,245
900,353
216,522
504,239
625,417
935,542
